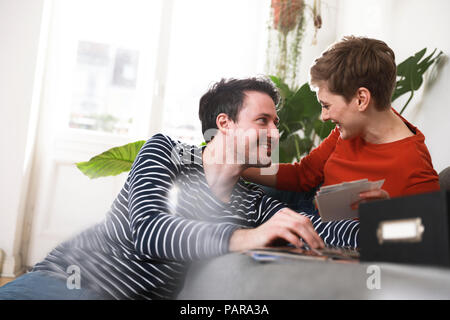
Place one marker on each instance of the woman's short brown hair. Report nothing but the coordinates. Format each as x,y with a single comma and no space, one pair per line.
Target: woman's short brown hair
356,62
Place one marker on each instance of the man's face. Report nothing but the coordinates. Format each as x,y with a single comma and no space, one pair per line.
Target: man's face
255,130
345,115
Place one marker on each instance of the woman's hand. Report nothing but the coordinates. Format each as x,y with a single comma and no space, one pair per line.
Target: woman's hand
378,194
254,175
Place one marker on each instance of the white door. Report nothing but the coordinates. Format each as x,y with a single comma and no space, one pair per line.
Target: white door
98,90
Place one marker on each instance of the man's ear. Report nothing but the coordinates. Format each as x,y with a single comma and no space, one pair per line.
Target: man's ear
364,98
223,122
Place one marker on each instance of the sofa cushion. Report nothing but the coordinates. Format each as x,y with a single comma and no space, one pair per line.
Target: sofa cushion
444,179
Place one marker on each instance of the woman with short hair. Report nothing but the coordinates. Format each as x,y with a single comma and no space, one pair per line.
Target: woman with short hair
354,80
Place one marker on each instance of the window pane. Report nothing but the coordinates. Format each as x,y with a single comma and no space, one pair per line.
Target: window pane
103,56
103,88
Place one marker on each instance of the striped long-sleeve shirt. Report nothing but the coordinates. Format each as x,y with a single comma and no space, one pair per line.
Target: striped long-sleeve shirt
164,217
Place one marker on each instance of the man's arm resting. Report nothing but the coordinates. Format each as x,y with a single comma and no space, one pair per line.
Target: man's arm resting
286,224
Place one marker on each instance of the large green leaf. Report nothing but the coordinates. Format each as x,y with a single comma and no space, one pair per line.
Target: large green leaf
305,146
304,103
298,112
293,147
410,72
286,128
284,89
111,162
300,106
289,148
323,129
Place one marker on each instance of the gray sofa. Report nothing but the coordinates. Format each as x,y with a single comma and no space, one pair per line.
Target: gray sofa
238,277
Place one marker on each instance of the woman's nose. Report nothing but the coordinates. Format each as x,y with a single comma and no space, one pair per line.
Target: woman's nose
325,116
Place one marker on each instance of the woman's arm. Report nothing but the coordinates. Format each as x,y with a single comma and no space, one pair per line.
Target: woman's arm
299,176
262,176
309,172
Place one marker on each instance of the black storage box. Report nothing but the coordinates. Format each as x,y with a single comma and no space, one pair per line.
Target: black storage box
411,229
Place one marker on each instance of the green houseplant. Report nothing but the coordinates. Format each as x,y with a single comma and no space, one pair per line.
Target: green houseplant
410,74
300,125
299,111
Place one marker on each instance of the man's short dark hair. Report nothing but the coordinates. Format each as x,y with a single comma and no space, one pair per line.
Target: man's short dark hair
227,96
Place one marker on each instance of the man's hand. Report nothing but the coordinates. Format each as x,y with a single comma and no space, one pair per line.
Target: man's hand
378,194
286,225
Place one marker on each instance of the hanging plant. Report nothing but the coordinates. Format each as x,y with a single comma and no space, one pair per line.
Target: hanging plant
287,26
317,16
286,13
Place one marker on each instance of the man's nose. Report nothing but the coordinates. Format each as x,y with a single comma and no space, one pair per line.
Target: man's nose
274,133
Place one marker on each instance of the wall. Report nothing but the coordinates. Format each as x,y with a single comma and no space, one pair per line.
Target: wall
19,56
427,23
408,26
325,36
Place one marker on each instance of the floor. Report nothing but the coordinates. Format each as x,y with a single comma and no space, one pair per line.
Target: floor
4,281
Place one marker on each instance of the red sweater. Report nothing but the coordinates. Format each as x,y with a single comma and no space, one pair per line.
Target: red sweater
404,164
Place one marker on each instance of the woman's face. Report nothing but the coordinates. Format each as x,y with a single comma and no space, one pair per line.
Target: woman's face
346,116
